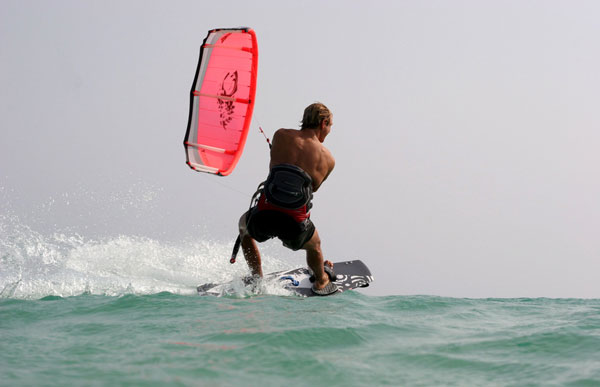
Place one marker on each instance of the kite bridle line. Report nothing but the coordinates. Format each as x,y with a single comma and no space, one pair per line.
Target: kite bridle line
232,188
266,138
262,131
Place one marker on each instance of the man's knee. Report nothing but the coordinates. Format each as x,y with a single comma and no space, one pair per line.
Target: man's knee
313,244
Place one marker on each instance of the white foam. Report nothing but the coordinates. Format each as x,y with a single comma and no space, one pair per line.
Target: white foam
36,265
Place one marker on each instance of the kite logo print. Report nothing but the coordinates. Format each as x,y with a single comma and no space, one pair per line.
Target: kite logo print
228,89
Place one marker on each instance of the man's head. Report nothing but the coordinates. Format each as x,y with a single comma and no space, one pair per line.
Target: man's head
314,115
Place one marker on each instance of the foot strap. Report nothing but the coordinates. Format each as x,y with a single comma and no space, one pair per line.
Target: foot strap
330,273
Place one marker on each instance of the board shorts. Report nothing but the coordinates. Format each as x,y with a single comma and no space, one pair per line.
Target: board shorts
292,226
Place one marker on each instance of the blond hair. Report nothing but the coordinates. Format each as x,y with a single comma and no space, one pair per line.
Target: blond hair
314,114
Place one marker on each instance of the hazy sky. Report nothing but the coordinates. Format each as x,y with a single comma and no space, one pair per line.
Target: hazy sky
466,133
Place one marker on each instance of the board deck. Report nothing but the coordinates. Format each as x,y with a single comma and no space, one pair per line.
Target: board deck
349,275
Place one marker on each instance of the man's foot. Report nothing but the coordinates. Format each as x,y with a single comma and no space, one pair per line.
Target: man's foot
251,279
326,287
330,288
328,268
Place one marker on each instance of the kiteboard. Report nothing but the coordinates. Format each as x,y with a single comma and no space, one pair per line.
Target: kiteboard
349,275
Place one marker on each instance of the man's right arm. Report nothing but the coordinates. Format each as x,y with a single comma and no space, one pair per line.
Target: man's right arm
329,163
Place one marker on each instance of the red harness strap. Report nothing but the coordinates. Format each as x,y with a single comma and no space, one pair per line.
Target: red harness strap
299,215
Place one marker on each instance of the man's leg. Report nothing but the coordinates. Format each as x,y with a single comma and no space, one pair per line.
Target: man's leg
249,248
314,259
252,255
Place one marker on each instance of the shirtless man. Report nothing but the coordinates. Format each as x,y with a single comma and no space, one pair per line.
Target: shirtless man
299,165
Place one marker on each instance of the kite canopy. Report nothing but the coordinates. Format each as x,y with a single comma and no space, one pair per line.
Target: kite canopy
222,100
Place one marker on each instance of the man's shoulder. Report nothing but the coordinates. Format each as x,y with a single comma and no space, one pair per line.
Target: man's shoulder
329,157
286,135
285,132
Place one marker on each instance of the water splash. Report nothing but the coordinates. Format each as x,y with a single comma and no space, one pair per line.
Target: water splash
40,257
36,265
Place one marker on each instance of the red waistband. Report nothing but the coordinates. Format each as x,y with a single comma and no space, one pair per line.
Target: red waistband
299,214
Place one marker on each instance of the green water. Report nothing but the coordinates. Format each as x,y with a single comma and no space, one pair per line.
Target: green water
119,311
350,339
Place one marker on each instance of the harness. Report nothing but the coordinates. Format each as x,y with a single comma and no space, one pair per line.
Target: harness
288,186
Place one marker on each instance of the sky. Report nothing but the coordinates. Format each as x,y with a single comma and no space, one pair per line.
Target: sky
466,133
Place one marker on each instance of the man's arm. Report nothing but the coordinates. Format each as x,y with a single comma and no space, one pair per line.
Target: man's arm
275,145
330,163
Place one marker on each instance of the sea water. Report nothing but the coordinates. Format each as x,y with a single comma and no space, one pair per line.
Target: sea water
123,311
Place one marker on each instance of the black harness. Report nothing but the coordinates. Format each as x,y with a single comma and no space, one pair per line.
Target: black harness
288,186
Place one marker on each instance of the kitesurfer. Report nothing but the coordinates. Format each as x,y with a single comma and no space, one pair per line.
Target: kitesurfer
281,208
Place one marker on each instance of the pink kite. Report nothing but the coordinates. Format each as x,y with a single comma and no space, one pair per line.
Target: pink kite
222,100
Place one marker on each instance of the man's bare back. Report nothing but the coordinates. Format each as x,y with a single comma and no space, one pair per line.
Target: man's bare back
304,149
